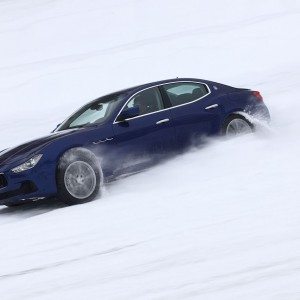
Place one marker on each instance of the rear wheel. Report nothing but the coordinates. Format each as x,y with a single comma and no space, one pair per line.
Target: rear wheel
78,177
237,125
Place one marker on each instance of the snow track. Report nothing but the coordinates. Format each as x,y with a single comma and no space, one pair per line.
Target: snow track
220,222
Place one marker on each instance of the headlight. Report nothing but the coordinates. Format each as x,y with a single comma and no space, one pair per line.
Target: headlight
31,163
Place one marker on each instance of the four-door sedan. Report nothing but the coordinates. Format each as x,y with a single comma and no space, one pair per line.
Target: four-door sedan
122,133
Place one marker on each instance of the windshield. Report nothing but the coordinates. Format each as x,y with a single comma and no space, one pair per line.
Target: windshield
93,113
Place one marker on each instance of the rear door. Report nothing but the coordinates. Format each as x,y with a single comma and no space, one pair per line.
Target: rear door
146,138
193,112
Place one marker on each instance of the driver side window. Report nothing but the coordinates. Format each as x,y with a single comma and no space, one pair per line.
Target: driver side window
148,101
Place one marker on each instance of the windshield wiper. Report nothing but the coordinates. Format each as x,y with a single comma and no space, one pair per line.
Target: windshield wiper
86,125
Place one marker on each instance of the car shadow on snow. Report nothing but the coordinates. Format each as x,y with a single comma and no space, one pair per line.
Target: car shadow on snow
32,208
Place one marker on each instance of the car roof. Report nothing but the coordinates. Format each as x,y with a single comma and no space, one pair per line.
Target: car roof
137,88
132,90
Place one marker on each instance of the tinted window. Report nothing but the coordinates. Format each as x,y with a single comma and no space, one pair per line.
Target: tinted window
148,101
182,93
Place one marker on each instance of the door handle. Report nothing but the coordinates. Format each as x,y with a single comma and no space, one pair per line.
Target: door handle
162,121
212,106
103,141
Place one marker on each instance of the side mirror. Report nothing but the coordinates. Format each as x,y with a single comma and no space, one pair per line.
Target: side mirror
129,113
55,128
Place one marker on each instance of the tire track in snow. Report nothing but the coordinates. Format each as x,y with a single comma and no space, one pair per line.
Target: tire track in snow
63,61
241,278
154,40
66,262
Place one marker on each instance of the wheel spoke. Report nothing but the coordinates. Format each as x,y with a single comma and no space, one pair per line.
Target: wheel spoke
238,126
80,179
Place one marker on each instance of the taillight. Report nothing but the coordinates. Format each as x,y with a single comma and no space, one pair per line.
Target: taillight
258,96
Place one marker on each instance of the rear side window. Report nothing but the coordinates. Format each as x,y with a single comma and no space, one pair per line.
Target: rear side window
148,101
185,92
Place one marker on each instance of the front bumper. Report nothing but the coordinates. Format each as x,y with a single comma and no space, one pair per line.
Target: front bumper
30,185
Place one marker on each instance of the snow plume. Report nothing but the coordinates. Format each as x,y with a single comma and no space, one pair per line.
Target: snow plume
262,124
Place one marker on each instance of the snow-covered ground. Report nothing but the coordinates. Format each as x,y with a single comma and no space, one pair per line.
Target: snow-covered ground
221,222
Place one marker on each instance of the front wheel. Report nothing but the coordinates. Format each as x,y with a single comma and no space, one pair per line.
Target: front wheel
237,125
78,177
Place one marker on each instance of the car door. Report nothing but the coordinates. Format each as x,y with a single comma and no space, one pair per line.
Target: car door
193,112
147,137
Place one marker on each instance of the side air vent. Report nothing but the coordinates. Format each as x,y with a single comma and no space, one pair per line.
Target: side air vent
3,181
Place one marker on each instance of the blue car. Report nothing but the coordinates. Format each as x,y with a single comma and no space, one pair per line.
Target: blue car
122,133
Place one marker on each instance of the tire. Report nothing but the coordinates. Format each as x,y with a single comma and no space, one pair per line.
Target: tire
78,177
236,125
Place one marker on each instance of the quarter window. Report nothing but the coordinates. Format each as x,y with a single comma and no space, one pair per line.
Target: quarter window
148,101
182,93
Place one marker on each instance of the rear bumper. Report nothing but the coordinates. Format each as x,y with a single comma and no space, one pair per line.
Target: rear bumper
30,185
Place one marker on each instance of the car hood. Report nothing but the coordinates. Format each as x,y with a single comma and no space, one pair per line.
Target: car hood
25,151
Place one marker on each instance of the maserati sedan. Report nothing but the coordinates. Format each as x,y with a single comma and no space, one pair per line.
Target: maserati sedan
122,133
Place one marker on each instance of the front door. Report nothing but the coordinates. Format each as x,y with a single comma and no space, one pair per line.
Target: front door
146,138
